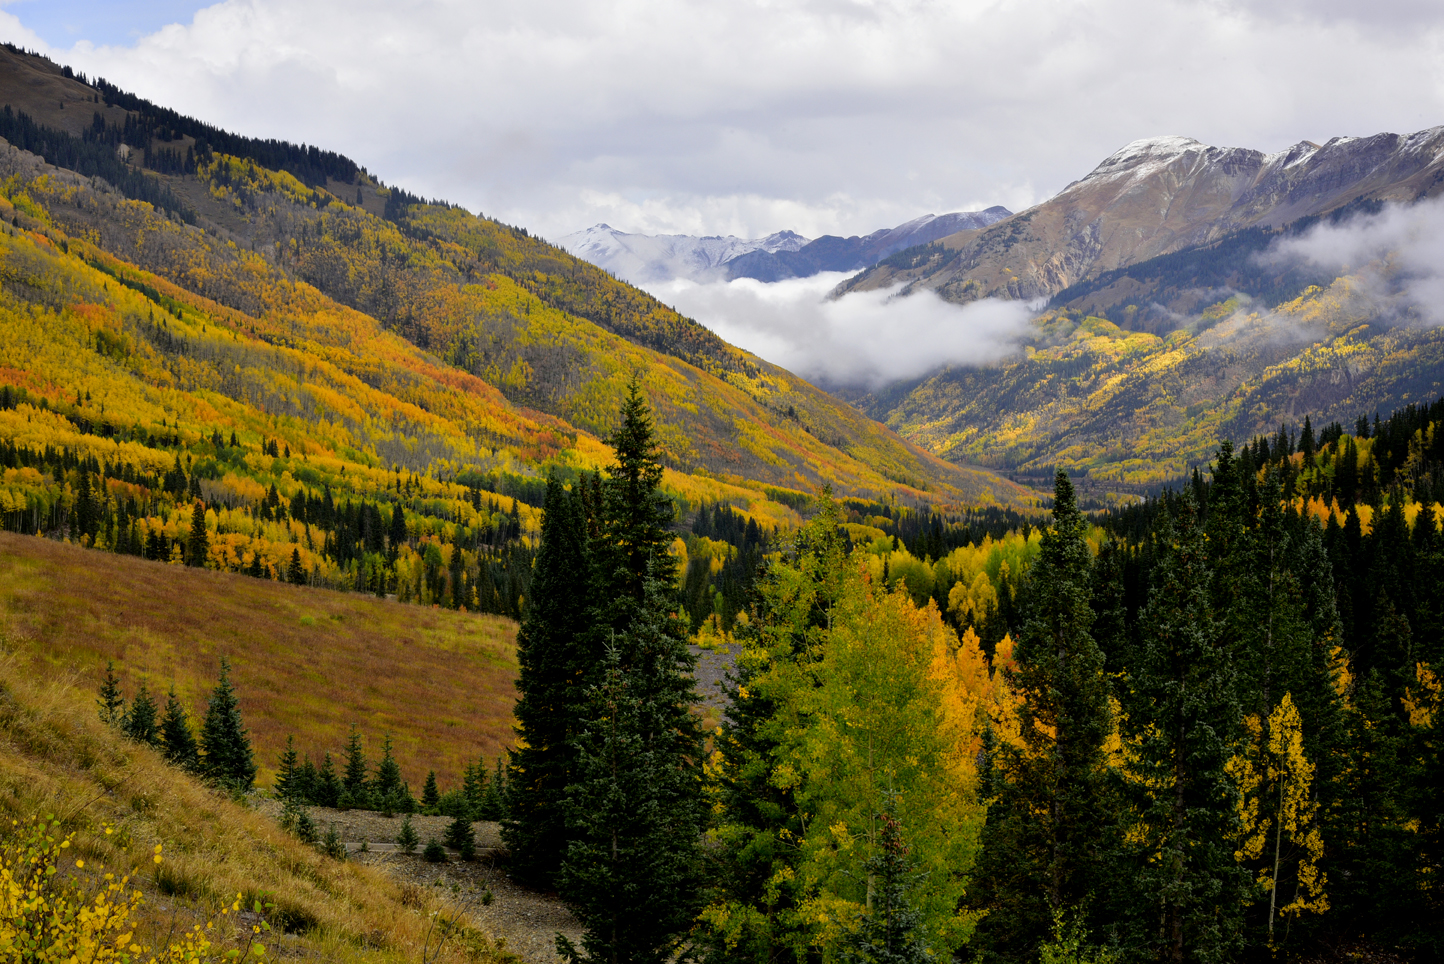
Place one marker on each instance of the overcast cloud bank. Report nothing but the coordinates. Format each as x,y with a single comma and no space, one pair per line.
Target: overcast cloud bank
864,339
823,116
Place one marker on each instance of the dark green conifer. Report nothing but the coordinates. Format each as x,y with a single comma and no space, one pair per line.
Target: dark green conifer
473,785
891,932
328,786
406,839
178,743
1049,825
288,773
353,781
295,573
554,660
225,747
198,547
430,796
461,838
635,810
1184,719
388,773
140,720
111,702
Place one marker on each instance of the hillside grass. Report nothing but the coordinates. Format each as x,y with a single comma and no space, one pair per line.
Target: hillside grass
308,662
57,759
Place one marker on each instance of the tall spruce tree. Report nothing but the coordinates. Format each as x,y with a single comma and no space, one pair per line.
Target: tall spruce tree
225,748
634,806
635,811
198,546
555,660
388,772
288,773
1049,827
1184,721
178,743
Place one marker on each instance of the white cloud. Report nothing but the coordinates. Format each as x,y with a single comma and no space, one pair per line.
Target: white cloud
864,339
1397,256
747,117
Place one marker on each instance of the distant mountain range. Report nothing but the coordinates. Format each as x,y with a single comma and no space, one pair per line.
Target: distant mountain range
643,258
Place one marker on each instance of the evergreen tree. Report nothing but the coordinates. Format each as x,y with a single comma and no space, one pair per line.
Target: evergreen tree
554,662
892,932
1183,721
111,702
198,548
295,573
461,838
140,720
1049,827
353,781
388,773
473,785
288,773
430,796
636,515
406,839
495,801
635,811
178,743
225,747
328,786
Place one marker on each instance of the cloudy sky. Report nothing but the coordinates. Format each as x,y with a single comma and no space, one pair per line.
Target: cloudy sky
749,116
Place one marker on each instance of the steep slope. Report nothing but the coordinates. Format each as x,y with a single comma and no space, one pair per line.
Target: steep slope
307,663
121,802
831,253
1157,196
1132,409
543,329
643,258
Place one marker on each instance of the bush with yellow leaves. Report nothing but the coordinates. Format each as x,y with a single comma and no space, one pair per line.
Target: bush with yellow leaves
51,915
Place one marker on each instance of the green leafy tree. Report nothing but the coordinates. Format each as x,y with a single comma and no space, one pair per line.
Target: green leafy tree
178,743
140,722
225,747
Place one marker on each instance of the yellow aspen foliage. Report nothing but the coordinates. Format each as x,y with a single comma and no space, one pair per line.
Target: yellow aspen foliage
1279,814
1422,702
51,914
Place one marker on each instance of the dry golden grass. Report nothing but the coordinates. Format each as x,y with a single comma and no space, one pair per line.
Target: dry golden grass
308,662
57,758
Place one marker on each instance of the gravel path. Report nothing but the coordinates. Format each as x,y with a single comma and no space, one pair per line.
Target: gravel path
525,920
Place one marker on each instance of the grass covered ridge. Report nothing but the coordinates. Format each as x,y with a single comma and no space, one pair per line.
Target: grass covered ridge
57,758
308,662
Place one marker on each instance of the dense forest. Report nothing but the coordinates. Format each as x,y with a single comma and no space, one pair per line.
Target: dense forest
1204,730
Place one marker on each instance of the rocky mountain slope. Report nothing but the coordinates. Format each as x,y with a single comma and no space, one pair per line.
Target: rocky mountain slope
1157,196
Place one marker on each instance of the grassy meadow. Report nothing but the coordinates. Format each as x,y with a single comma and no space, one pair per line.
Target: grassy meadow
308,662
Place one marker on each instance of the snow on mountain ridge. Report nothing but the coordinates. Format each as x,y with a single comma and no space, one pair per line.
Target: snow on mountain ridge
641,258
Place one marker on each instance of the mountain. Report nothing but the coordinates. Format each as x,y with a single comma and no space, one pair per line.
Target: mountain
1157,196
643,258
170,285
1173,321
831,253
